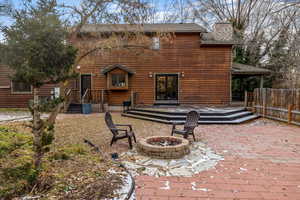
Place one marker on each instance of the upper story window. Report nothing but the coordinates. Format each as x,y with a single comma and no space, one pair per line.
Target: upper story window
155,43
19,87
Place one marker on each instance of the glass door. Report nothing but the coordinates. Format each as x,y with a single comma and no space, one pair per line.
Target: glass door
167,87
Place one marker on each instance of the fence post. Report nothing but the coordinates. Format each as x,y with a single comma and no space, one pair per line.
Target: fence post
246,99
264,90
132,99
102,101
290,108
254,101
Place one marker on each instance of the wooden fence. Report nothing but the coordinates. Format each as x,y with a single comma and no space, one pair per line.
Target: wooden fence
278,104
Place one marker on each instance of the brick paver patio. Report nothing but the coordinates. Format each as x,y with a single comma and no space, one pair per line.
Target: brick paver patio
262,161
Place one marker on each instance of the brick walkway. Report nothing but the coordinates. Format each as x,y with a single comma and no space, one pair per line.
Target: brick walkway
262,161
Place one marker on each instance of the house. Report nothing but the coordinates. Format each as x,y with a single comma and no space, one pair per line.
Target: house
194,68
17,95
189,70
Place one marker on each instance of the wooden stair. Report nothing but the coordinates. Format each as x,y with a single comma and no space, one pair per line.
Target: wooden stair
233,116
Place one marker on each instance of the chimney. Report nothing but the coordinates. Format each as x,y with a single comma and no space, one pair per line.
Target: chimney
223,31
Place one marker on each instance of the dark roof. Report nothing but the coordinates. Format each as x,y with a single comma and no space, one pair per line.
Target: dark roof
241,69
150,28
112,67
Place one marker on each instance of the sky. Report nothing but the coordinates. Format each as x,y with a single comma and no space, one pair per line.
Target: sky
17,3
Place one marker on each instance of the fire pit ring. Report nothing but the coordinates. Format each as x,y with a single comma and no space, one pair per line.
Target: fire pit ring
164,147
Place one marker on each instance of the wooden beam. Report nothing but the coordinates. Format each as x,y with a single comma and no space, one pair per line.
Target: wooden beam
246,99
261,81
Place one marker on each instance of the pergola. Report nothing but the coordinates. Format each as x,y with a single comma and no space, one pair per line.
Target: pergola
242,71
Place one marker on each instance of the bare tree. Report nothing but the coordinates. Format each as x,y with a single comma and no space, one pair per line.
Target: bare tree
87,35
169,11
53,30
257,25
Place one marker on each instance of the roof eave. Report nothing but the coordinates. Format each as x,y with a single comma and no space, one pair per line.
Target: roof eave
250,73
108,69
217,43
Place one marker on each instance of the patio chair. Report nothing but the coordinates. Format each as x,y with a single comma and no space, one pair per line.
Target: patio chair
189,126
119,133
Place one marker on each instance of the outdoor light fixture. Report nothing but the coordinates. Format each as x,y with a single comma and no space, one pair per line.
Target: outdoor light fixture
78,67
150,74
182,74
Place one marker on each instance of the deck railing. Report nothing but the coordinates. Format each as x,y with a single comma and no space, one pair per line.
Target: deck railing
249,99
71,96
95,96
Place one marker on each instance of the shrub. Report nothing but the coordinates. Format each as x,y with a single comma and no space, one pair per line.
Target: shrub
17,173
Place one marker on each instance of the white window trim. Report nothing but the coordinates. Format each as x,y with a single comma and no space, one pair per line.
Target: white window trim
155,43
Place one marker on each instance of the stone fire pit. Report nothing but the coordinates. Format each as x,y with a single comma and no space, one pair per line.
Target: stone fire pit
164,147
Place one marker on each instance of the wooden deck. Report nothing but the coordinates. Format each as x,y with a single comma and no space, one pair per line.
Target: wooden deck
177,114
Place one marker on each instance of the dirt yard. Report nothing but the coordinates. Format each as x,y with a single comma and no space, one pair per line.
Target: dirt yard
261,158
74,128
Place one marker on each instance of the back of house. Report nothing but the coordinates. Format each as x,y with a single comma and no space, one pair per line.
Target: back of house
193,67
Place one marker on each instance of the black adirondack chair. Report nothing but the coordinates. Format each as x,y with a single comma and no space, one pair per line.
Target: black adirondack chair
189,126
119,133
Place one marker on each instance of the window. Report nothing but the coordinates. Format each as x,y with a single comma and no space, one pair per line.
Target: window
118,81
155,43
19,87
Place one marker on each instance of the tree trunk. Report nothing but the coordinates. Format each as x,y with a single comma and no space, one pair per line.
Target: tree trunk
36,130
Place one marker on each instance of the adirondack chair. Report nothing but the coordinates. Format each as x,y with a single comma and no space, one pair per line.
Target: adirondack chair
119,133
189,126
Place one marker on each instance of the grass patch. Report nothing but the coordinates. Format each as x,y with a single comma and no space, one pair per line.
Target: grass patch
14,110
67,152
16,172
70,171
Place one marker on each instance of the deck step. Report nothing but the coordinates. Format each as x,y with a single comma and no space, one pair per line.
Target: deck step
236,121
207,116
183,117
184,112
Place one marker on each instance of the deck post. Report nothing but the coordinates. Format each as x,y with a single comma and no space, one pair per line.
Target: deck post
132,99
102,101
264,90
261,83
290,108
246,99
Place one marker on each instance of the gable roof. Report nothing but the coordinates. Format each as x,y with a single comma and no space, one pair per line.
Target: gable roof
242,69
148,28
112,67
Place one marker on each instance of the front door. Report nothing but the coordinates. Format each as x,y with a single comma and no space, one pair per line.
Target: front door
86,83
166,87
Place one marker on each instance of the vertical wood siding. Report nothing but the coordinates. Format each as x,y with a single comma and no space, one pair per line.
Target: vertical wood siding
206,71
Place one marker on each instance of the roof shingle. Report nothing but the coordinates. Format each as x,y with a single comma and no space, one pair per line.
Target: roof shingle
149,28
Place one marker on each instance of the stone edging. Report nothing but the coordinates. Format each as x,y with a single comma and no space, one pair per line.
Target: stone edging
165,152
